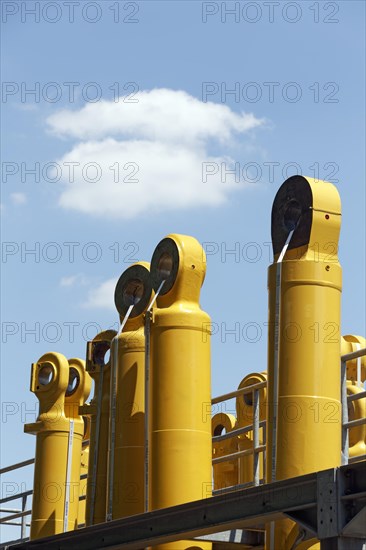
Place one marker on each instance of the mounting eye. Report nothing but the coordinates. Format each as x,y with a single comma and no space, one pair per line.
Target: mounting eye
46,374
74,381
292,209
222,423
248,399
100,352
134,287
219,430
165,265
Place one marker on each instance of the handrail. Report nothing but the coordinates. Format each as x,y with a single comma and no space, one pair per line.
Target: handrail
238,454
353,355
238,431
346,423
14,516
256,425
236,393
355,423
356,396
16,466
15,497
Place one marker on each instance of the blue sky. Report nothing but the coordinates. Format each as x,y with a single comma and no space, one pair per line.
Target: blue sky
144,87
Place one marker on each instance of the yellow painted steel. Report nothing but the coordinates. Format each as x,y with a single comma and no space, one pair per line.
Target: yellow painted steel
180,422
349,344
309,409
57,462
244,412
84,464
356,409
77,392
225,474
129,348
98,366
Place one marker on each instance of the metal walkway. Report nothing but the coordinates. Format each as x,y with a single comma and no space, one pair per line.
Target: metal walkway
329,505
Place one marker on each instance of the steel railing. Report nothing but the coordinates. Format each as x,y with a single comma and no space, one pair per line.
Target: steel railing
23,512
16,513
257,447
346,399
257,424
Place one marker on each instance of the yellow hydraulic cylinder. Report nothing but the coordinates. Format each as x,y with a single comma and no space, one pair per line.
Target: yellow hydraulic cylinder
304,353
180,422
128,349
98,366
245,417
225,474
59,433
77,393
84,464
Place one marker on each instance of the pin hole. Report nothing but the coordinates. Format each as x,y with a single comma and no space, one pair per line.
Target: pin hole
219,430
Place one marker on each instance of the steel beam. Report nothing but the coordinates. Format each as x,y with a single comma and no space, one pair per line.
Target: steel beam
247,507
326,501
343,543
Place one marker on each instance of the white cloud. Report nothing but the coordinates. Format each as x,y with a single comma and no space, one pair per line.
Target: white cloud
153,177
157,115
18,198
102,297
73,280
148,156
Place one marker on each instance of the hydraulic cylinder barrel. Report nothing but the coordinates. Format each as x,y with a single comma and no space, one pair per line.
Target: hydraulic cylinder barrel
77,393
128,350
61,387
304,282
98,366
180,422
